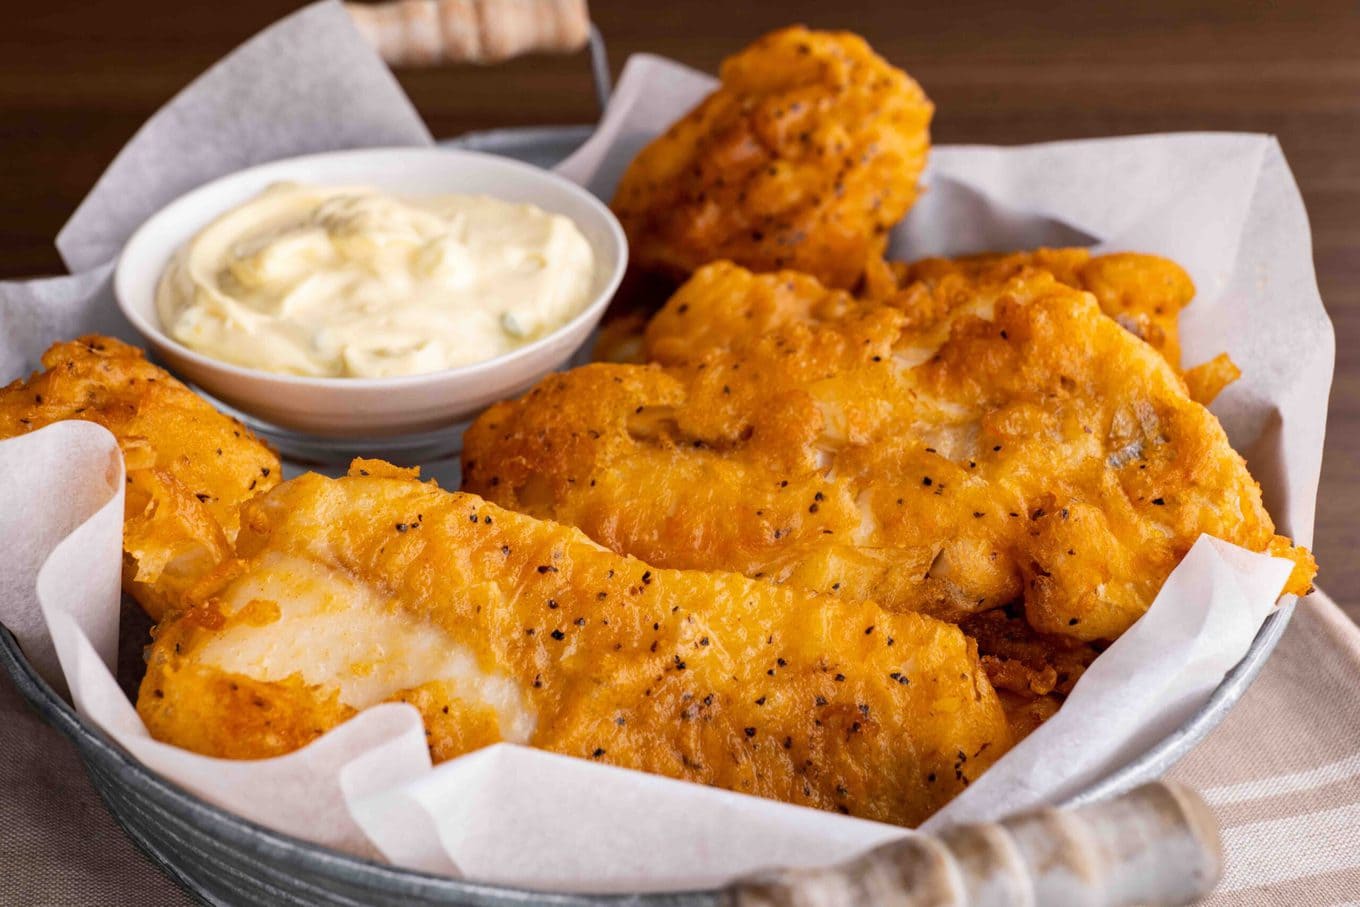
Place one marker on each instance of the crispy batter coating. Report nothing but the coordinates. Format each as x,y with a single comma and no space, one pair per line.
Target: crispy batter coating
1032,672
189,467
1206,381
804,158
1144,293
1009,444
497,626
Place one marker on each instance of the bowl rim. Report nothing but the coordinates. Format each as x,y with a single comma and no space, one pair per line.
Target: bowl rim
155,334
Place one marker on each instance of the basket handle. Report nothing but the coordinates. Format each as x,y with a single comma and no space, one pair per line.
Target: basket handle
1155,845
433,32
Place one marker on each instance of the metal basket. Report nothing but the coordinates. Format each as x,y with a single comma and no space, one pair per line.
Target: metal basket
223,859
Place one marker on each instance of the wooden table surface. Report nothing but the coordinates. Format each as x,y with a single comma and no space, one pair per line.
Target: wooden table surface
78,77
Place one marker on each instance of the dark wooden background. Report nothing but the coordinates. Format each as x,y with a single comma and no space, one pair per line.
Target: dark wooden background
78,76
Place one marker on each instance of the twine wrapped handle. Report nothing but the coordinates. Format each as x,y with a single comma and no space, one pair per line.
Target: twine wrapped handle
431,32
1155,845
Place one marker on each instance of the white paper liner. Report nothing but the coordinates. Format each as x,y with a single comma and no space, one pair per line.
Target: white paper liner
1224,206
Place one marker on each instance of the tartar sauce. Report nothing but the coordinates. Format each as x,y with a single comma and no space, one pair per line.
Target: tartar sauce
352,282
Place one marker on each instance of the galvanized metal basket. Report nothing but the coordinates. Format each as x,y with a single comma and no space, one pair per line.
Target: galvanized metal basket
223,859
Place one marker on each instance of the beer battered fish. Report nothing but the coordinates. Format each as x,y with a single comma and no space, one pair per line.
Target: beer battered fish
1011,444
189,467
1144,293
803,158
498,626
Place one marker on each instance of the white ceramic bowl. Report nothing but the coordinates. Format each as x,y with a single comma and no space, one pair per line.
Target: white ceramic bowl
371,407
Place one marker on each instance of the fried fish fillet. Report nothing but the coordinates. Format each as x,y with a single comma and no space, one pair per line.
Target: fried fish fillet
189,467
497,626
1010,445
803,158
1144,293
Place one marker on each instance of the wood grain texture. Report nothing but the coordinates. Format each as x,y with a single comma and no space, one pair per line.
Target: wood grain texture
78,77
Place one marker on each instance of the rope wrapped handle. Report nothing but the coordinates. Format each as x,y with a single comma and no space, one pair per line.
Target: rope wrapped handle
1156,845
433,32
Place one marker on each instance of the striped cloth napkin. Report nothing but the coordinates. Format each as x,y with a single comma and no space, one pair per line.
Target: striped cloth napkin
1282,772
